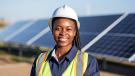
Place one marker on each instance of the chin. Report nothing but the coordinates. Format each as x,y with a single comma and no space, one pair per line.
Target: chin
63,44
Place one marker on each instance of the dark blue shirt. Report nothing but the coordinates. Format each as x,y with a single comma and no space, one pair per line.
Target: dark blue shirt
58,67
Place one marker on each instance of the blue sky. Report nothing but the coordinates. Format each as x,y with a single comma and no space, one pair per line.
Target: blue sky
15,10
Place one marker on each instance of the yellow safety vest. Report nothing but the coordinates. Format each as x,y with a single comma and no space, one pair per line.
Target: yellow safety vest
43,67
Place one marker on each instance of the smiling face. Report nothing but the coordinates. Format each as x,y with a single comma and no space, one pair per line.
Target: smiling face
64,31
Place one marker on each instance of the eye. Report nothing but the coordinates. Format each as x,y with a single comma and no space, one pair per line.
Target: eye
57,28
69,29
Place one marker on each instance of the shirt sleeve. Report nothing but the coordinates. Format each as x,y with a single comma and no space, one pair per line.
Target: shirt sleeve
92,67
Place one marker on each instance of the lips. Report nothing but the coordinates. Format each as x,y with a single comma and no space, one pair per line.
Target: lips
63,39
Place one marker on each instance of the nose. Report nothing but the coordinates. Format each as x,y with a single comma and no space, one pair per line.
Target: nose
63,32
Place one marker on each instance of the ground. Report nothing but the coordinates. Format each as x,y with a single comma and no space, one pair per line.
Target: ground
12,68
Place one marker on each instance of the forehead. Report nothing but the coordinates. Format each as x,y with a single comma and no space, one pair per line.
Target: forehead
65,21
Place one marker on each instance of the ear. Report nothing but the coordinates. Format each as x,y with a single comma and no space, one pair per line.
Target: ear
78,25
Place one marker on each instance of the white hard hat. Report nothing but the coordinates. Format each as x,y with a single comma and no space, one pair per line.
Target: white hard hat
66,12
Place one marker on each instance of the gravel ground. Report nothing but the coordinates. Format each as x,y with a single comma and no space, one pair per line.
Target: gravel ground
15,69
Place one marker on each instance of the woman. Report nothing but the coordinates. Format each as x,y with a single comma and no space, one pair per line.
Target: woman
66,59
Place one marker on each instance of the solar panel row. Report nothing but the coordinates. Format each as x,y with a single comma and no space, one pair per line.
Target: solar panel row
119,42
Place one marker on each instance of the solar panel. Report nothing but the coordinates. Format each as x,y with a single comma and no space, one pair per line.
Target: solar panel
115,46
119,42
29,32
126,26
12,28
92,26
96,23
46,40
85,37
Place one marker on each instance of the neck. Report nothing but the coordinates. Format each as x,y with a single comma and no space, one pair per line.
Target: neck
62,51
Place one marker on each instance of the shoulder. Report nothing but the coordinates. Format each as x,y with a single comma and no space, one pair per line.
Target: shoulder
92,60
33,72
38,56
90,57
92,66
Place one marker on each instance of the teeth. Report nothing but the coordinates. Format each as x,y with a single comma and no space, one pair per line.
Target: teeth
62,39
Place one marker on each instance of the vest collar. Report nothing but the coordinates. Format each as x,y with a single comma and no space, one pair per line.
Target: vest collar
54,55
71,54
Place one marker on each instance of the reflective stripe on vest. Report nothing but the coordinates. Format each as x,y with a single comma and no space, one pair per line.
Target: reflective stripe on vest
77,67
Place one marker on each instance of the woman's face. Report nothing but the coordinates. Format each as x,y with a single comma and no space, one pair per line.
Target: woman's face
64,31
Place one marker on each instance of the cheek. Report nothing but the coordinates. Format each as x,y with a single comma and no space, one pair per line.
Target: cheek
55,35
72,35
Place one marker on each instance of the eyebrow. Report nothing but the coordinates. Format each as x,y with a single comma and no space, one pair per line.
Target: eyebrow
61,26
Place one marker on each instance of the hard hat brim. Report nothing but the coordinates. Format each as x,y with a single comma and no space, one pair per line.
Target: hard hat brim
50,23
